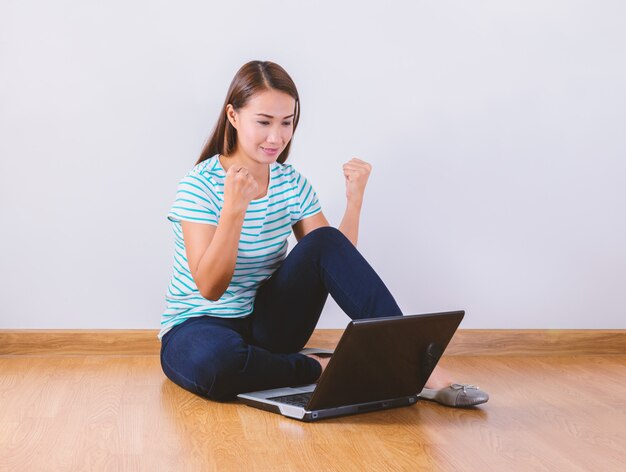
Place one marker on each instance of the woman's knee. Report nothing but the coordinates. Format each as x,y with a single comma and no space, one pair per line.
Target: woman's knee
325,238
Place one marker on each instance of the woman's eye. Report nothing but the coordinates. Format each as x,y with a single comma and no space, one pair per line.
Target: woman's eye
286,123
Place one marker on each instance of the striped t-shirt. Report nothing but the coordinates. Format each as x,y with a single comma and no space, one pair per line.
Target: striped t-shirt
262,244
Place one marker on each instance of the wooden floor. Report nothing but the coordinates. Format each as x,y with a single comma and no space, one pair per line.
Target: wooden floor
97,413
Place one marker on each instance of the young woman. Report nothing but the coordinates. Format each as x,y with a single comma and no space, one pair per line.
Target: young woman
238,308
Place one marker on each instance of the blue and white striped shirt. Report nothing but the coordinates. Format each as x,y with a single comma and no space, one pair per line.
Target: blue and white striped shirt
262,244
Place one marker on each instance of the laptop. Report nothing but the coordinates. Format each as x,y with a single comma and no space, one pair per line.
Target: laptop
379,363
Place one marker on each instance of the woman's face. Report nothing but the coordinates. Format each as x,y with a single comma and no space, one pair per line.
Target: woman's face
264,126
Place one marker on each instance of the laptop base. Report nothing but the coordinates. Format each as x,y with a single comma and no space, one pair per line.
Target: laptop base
303,414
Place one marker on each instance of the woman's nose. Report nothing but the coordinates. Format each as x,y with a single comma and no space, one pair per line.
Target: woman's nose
274,136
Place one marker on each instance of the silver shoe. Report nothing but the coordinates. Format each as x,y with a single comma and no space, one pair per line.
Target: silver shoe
456,395
317,351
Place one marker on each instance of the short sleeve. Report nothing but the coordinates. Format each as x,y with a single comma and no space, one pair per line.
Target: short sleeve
196,201
307,202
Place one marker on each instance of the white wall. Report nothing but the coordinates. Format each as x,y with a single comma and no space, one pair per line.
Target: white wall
495,128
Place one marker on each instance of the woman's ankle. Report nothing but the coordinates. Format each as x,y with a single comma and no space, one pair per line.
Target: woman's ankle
439,378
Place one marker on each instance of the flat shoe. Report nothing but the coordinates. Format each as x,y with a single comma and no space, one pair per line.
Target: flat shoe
456,395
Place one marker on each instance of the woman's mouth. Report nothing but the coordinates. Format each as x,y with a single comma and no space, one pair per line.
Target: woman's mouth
270,151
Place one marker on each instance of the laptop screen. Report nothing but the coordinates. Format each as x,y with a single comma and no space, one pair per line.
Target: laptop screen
384,358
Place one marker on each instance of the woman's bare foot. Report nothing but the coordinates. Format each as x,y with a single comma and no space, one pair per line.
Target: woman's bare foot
322,360
440,378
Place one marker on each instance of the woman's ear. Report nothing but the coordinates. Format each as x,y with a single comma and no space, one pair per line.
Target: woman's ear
231,115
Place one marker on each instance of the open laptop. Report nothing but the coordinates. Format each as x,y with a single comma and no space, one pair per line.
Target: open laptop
379,363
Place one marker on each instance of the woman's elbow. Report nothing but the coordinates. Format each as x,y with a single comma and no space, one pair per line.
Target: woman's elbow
212,289
211,294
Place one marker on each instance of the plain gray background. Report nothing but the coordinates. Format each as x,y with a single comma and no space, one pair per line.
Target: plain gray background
495,130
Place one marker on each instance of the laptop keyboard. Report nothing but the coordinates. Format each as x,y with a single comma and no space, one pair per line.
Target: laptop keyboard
299,399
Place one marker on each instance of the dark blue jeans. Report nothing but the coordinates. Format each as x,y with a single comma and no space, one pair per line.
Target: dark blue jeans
218,358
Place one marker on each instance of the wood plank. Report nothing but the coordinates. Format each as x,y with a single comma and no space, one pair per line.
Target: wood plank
122,413
474,342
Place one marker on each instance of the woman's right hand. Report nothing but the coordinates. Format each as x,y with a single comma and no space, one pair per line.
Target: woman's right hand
240,188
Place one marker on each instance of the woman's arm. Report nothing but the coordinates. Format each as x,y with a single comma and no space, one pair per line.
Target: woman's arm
350,223
212,250
306,225
356,173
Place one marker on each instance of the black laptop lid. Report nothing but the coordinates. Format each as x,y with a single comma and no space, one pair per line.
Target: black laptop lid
384,358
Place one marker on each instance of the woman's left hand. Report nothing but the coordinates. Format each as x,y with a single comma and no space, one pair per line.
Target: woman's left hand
356,173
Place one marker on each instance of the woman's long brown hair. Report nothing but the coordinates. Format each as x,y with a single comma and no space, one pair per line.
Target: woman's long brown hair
253,77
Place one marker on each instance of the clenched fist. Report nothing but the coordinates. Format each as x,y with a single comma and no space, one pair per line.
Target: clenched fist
240,188
356,173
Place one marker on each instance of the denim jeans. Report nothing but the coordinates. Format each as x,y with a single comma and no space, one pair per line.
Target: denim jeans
218,358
